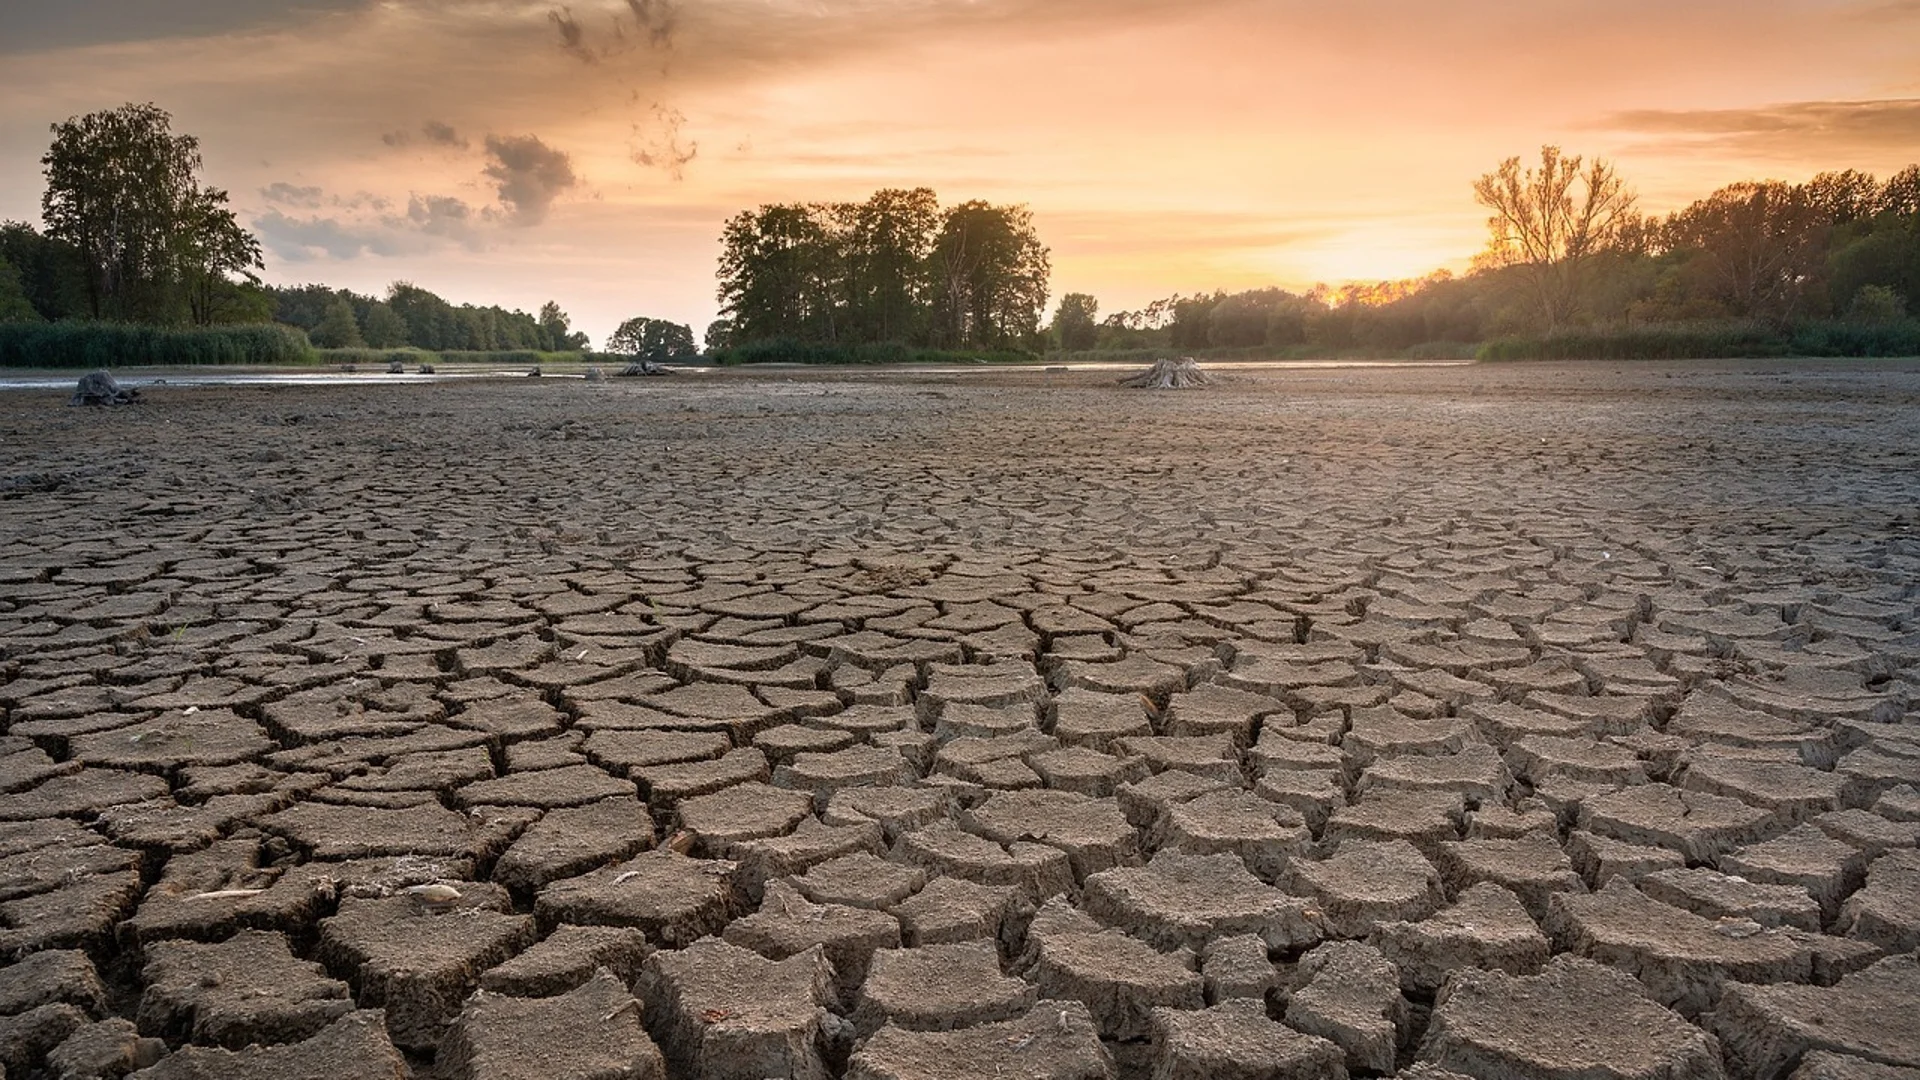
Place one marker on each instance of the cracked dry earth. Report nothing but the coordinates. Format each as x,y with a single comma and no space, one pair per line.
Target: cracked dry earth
1496,722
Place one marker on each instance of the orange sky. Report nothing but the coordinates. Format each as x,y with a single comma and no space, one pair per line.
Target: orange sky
1164,145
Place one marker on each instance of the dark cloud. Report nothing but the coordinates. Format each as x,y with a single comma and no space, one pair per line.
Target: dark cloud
657,19
291,195
35,25
1793,130
659,146
443,216
530,175
573,38
441,133
433,132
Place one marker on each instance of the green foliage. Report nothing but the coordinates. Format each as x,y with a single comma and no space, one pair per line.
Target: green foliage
123,191
337,328
413,316
86,345
1877,304
886,352
14,305
381,327
52,277
653,339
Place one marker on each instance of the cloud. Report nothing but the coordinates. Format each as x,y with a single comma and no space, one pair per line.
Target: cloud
290,195
444,216
1794,130
440,133
306,239
663,149
573,38
428,222
33,27
529,174
657,19
435,132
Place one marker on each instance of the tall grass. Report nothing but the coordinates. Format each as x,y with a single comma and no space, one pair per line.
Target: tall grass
1715,340
1426,350
111,345
379,358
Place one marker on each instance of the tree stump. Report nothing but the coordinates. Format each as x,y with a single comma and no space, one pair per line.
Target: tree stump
1180,374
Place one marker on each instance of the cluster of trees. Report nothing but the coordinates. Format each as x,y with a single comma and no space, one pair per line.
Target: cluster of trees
895,268
653,339
131,233
1568,252
412,316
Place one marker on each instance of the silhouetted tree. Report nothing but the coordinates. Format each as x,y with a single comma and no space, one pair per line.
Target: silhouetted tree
1548,222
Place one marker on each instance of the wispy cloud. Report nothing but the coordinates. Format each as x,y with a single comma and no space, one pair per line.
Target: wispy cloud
286,194
657,144
1797,130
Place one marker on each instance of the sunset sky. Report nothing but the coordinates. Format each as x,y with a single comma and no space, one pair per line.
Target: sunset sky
498,151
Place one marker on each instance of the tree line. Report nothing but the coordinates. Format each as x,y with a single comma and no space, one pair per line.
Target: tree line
1570,253
896,268
412,316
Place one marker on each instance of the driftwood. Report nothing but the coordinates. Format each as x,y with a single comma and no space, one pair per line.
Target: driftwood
1169,375
99,388
645,367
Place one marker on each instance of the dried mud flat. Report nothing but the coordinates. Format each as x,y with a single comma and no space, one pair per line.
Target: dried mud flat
1499,722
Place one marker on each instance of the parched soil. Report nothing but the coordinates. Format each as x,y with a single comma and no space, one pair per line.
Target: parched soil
1516,721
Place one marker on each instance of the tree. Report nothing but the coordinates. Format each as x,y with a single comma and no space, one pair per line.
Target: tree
887,240
1900,196
990,277
780,268
653,339
1075,322
719,336
337,329
556,328
1548,223
1760,249
123,190
52,277
1841,197
382,326
210,248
